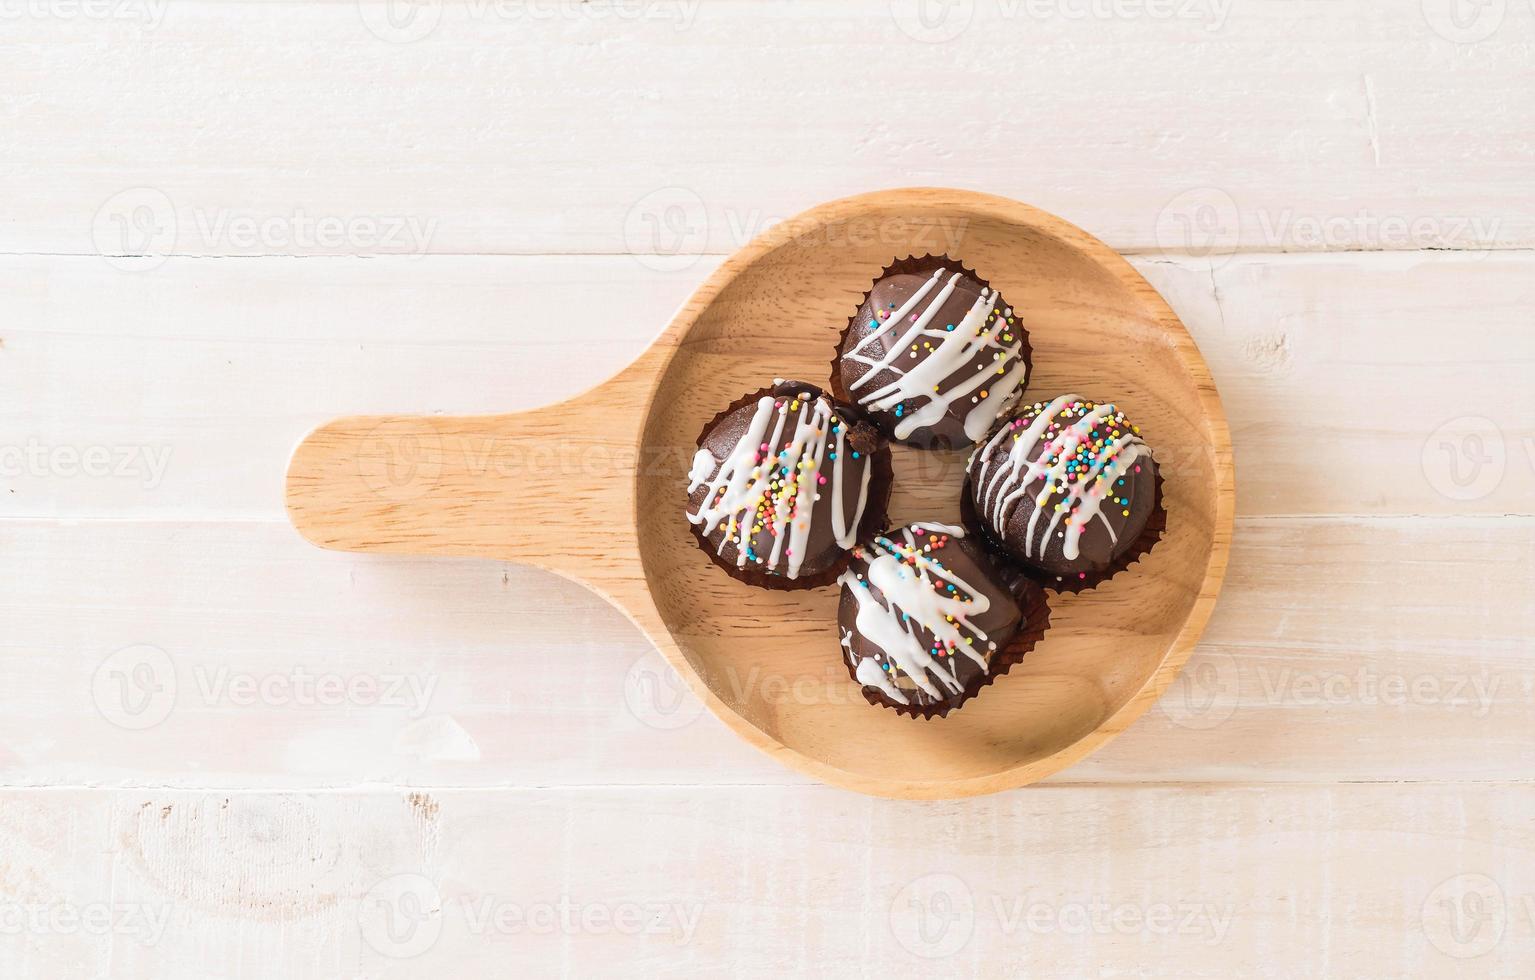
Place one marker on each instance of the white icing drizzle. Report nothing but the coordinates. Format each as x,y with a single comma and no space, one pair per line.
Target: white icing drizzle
1057,469
914,589
973,335
870,674
749,491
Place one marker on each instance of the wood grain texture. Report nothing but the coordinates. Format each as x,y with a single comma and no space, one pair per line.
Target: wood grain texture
1187,126
1344,765
457,670
1065,882
241,359
589,489
1387,387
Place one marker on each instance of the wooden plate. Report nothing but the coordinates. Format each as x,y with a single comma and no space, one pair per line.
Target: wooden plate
594,489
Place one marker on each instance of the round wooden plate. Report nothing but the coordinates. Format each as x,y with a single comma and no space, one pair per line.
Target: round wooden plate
593,489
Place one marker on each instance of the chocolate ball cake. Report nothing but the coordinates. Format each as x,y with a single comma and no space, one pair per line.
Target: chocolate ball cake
1066,488
927,618
783,484
933,355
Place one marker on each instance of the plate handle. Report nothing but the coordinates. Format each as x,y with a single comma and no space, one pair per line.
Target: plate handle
552,487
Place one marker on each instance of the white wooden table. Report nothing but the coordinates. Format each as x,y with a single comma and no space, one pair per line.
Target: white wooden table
227,754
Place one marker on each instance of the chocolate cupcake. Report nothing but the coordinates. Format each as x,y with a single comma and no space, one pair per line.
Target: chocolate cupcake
934,355
928,618
1068,489
783,484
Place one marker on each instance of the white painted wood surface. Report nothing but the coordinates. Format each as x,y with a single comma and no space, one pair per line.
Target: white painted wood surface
532,126
226,754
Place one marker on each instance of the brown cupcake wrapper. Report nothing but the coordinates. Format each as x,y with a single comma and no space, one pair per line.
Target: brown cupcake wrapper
881,480
1035,605
914,265
1156,524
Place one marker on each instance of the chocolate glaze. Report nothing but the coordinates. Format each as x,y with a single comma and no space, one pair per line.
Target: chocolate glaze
995,353
925,560
1105,538
865,452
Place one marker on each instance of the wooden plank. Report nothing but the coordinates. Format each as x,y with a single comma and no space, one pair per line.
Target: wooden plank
664,126
1395,384
180,394
238,655
1047,882
232,655
1343,650
196,382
